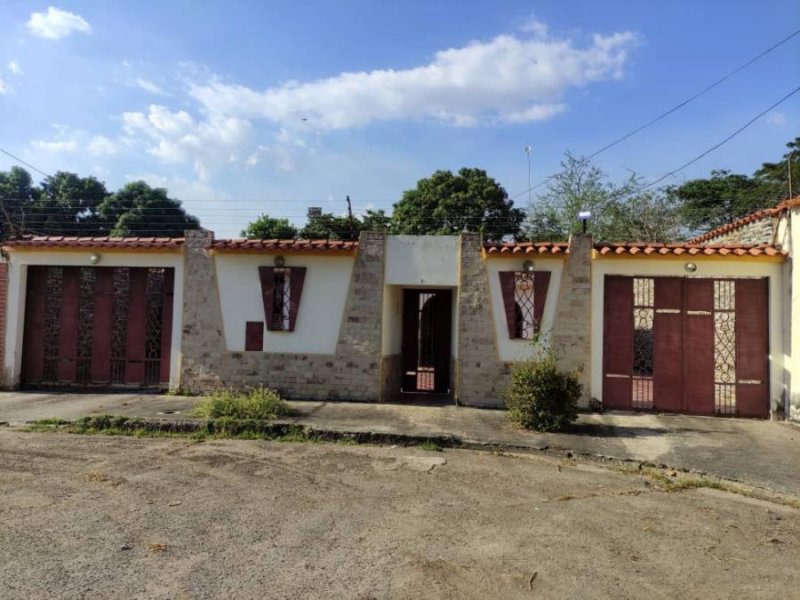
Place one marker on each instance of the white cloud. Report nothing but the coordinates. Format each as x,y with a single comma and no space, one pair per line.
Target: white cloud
55,146
14,67
100,145
505,79
56,24
535,27
3,88
149,86
775,118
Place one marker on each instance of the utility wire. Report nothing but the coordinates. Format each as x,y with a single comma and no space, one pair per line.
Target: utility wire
27,164
675,108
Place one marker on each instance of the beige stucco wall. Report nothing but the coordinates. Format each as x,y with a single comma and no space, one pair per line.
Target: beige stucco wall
17,284
707,267
515,350
791,223
422,260
319,318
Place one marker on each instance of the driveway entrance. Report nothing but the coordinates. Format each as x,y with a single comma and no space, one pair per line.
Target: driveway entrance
427,317
688,345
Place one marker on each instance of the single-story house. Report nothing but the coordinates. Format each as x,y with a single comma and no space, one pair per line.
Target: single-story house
702,327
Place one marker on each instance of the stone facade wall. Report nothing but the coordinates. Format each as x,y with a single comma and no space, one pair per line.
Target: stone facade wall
571,336
481,377
391,377
352,373
757,232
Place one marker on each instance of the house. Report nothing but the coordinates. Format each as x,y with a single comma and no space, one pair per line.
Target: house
702,327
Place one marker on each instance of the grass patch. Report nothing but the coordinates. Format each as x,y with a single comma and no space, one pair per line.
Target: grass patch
258,403
431,446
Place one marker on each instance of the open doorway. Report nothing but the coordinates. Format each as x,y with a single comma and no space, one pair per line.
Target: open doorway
427,322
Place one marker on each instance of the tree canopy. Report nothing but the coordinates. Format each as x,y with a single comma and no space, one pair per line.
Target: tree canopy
620,212
267,228
67,204
445,203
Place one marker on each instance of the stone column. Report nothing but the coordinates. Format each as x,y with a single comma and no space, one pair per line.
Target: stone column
480,376
571,336
202,338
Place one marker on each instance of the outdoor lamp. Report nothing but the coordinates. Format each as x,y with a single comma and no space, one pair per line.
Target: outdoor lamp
279,261
528,266
690,267
583,217
94,259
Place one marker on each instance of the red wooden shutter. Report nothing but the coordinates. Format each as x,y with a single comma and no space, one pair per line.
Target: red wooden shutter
68,342
668,344
267,275
698,347
508,286
254,335
296,280
103,323
136,344
541,281
35,311
752,348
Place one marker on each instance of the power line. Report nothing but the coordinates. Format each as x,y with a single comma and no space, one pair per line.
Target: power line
675,108
27,164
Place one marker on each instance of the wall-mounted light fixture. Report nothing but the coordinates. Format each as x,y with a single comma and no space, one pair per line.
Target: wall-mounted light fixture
583,217
528,266
690,267
94,259
279,261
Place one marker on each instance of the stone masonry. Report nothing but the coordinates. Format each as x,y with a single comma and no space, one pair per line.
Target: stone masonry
481,377
352,373
3,309
760,231
571,336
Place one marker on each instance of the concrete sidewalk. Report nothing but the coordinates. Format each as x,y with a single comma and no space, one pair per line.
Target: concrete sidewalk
760,453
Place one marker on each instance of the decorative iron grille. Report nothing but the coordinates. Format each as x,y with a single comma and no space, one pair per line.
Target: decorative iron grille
725,347
155,310
85,325
281,299
52,323
525,320
643,319
119,323
426,358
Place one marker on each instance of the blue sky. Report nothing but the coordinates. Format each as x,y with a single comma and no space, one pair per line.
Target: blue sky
240,108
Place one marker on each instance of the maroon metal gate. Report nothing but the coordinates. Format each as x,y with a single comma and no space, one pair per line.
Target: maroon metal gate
98,326
689,345
427,316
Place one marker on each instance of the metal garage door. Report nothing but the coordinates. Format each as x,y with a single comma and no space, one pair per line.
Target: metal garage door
686,345
101,326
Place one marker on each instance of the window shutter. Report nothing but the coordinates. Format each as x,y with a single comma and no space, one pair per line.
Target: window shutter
254,335
296,280
541,281
267,275
507,287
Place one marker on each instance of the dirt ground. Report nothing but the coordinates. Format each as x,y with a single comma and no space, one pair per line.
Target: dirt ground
102,517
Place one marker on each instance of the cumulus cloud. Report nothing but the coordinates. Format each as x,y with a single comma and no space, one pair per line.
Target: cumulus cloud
3,88
56,24
55,146
100,145
14,67
507,79
775,118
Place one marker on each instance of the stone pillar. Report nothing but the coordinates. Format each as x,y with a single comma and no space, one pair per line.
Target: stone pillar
571,336
480,378
3,310
202,338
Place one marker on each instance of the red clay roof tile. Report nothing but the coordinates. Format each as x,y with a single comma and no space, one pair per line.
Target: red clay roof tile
311,246
60,241
634,248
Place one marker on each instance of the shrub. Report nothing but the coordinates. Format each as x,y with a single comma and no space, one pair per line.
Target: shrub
541,397
258,403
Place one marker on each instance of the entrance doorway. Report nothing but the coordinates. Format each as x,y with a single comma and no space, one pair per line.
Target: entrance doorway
427,320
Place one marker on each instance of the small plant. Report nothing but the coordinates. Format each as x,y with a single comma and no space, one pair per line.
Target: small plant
259,403
431,446
541,397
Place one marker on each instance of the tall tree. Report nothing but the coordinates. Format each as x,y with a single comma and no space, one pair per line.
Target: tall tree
17,196
268,228
376,220
140,210
620,212
445,203
329,226
66,205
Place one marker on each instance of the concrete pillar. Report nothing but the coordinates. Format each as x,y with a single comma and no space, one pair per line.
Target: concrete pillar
571,336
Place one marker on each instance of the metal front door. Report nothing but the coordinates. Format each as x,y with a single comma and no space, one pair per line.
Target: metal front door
427,316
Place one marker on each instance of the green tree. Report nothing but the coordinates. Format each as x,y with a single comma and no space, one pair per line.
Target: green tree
445,203
268,228
376,220
620,212
328,226
140,210
66,204
17,196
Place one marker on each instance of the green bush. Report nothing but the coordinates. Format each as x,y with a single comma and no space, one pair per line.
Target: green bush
258,403
541,397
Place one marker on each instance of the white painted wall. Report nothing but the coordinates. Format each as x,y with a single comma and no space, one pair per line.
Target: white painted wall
392,323
791,243
322,304
17,283
422,260
706,267
516,349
